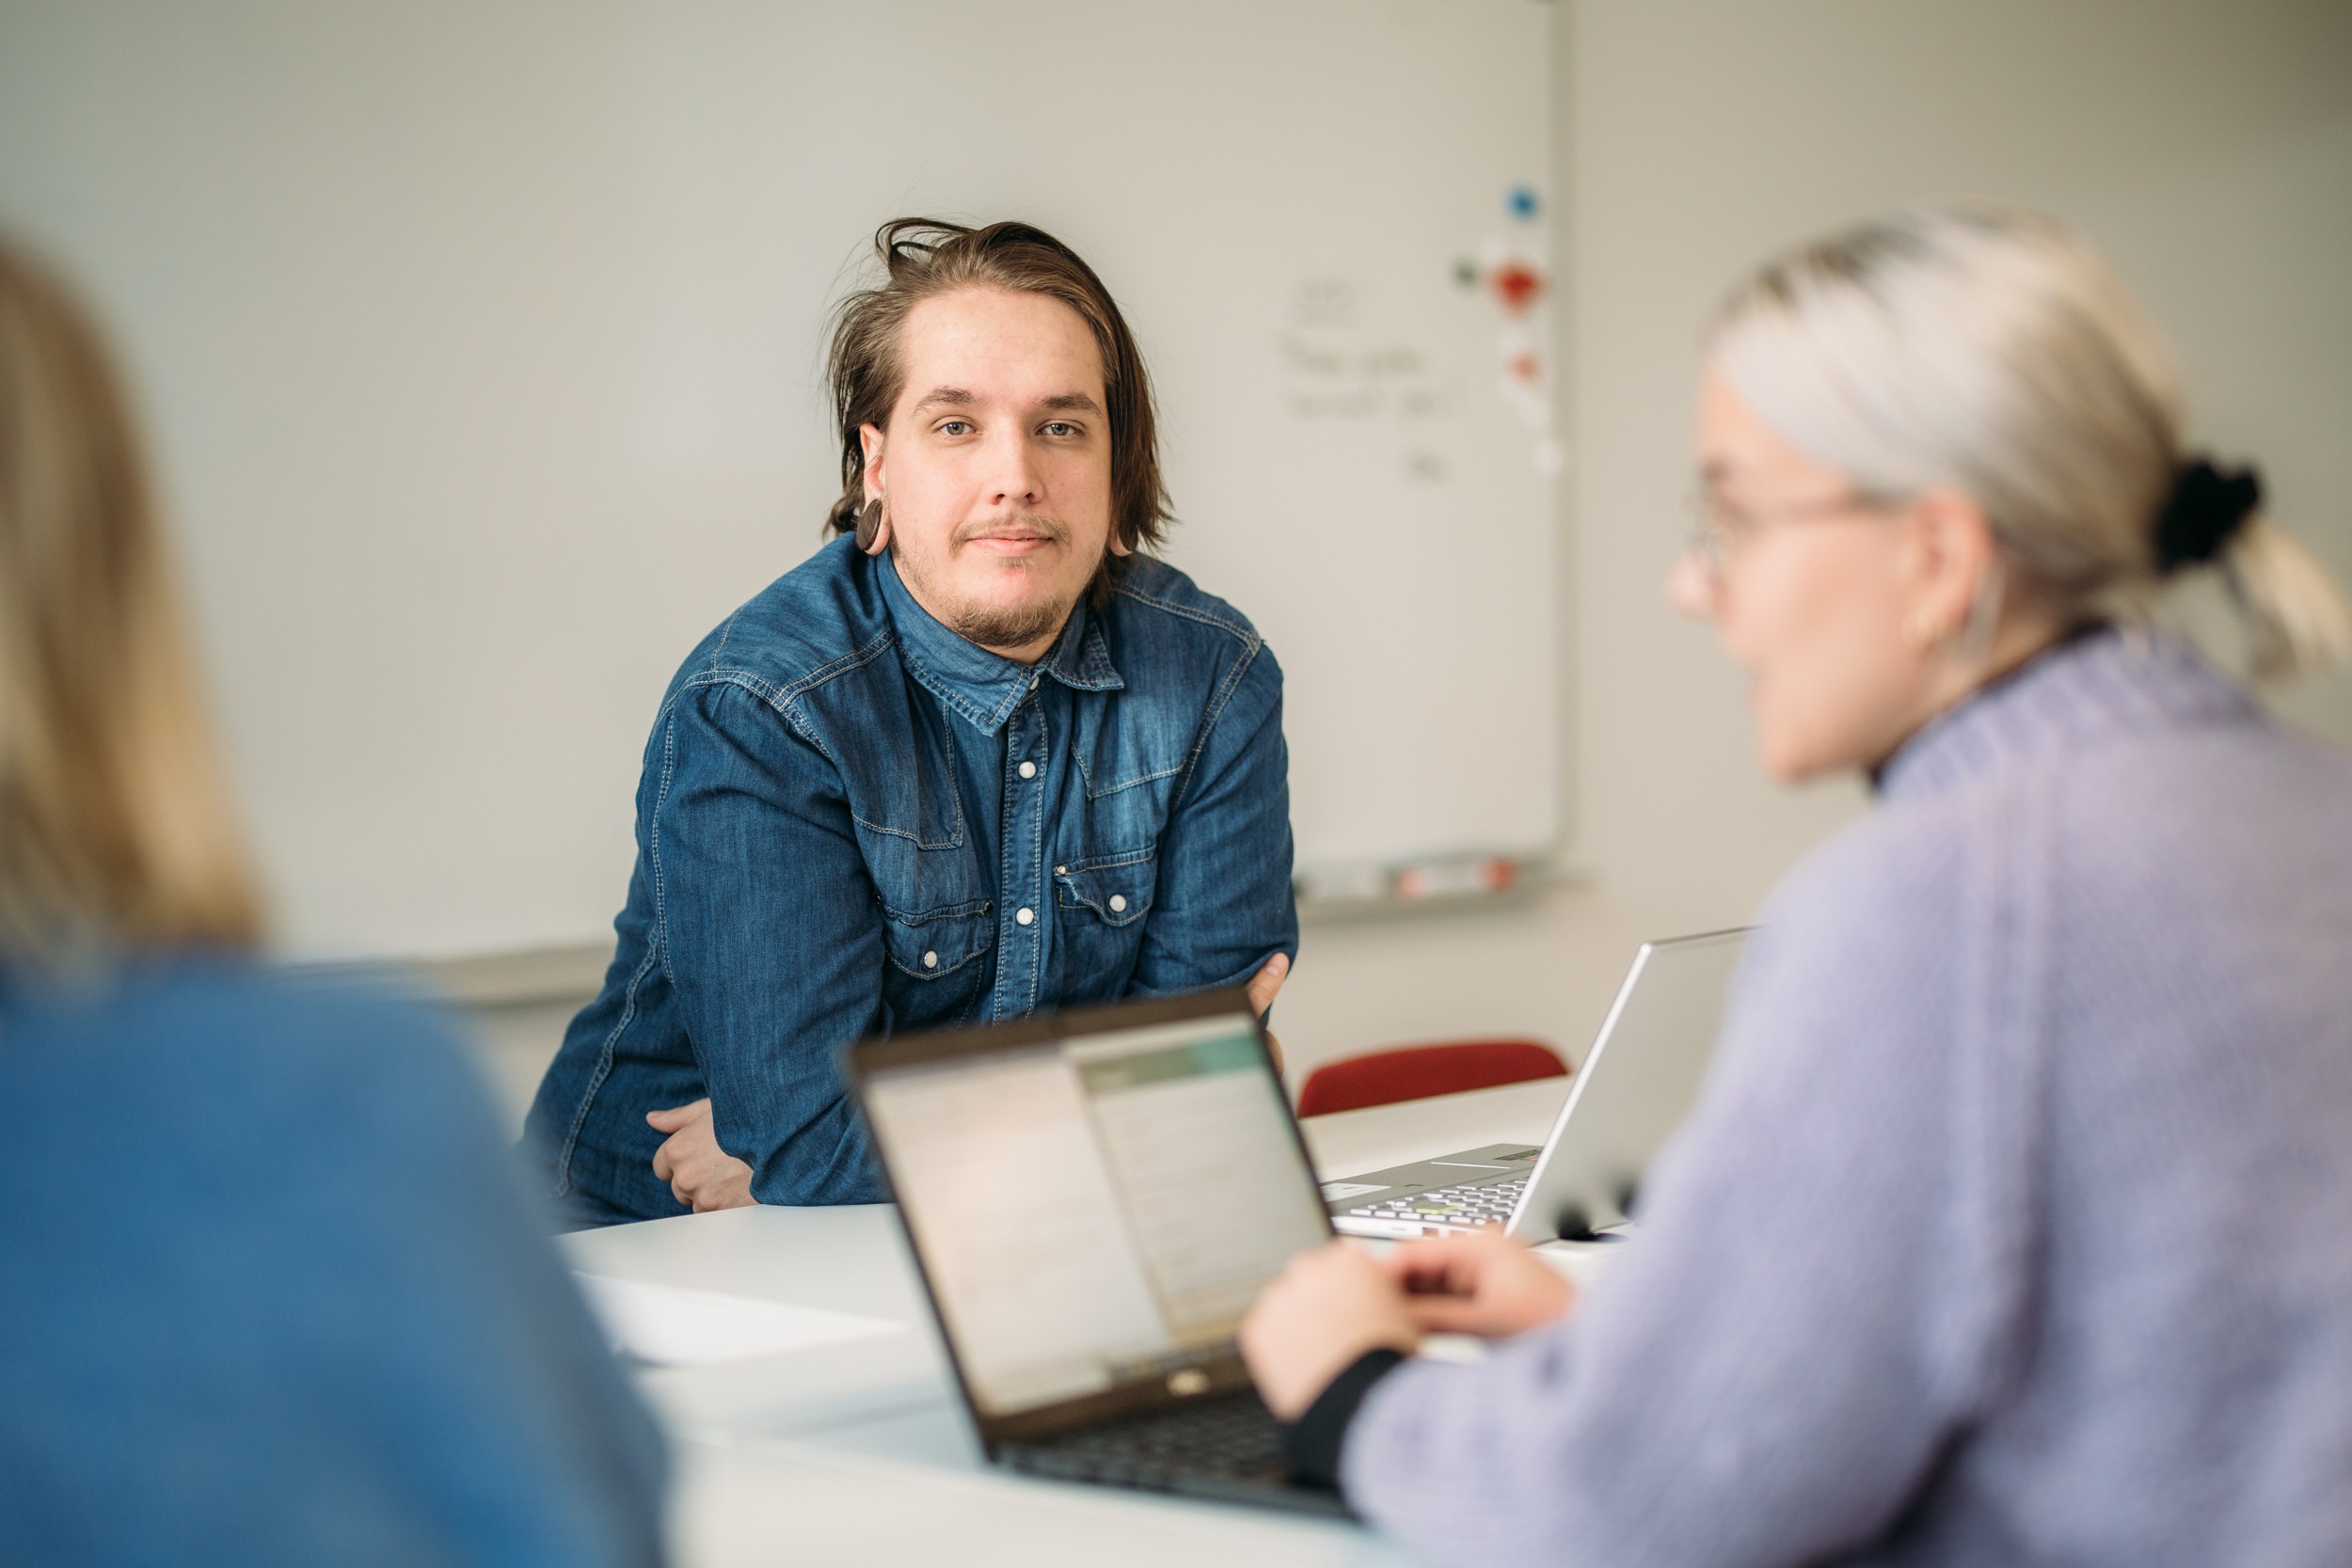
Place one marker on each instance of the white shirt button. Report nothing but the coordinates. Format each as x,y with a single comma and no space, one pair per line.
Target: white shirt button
1033,683
930,960
1024,916
1029,769
1118,902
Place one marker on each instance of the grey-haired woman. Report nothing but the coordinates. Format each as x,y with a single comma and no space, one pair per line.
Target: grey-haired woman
2014,1223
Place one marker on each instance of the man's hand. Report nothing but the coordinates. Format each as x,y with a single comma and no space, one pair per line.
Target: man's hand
701,1175
1326,1308
1262,988
1480,1283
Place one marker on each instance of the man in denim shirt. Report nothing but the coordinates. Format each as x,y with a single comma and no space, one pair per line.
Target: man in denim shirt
974,759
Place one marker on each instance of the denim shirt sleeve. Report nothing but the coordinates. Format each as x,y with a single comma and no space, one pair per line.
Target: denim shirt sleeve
770,937
1225,904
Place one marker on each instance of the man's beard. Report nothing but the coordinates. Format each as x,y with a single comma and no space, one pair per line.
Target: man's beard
1008,628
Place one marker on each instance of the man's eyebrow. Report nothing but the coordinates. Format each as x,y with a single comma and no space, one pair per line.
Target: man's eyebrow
943,396
1073,403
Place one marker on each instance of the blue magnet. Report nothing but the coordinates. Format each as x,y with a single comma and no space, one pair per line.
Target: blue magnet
1522,203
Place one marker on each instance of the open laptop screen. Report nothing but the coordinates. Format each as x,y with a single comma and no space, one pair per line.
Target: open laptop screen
1096,1209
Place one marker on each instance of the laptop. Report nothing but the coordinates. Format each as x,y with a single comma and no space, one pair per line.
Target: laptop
1634,1088
1093,1199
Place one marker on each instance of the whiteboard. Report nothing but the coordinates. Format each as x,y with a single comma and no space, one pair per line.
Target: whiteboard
481,345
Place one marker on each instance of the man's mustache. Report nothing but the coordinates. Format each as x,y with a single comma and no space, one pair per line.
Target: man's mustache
1026,525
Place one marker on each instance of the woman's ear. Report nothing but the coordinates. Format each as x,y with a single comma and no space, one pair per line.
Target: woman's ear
1953,553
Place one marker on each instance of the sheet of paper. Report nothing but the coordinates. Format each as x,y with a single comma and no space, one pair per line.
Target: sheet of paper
673,1326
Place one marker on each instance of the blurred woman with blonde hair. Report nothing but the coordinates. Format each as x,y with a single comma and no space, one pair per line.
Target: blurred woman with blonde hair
2012,1225
268,1292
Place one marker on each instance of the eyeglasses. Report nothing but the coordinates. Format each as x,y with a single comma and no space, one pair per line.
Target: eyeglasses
1720,531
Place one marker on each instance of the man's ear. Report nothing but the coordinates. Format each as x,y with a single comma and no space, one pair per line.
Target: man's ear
873,523
869,440
1120,546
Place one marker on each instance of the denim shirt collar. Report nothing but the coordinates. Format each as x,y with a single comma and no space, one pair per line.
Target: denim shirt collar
980,687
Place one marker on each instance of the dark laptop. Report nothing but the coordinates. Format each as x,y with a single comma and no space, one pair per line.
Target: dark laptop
1094,1199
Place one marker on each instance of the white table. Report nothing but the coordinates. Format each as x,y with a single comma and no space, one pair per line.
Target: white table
861,1454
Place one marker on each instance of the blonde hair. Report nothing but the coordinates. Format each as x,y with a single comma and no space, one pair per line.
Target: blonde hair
1990,350
115,831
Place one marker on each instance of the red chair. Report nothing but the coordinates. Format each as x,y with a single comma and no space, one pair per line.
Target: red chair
1418,1071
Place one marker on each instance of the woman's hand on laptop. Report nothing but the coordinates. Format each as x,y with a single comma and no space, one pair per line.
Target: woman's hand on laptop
1480,1282
1327,1307
701,1175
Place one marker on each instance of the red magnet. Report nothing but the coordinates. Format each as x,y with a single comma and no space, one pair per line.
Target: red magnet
1516,285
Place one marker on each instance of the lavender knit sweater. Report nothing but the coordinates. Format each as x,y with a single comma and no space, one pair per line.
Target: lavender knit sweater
2014,1223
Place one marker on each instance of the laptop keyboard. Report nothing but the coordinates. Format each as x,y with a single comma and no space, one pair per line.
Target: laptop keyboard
1235,1436
1472,1203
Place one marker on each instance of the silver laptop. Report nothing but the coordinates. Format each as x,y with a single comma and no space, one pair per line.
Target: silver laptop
1634,1088
1094,1199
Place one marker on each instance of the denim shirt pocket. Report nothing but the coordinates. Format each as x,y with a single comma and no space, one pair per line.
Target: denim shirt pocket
1102,903
938,961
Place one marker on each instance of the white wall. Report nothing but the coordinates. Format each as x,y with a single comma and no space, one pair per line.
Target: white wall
2207,148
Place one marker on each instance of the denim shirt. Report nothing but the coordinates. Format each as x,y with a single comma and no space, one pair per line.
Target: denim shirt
852,821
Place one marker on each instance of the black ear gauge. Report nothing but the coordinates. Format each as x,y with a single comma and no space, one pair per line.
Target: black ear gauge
869,525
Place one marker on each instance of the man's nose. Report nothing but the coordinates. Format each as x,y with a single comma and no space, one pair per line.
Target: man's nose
1014,476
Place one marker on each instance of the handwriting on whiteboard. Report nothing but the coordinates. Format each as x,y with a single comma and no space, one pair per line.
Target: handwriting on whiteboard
1338,367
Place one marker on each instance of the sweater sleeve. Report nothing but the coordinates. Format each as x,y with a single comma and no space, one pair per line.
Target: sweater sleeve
1817,1296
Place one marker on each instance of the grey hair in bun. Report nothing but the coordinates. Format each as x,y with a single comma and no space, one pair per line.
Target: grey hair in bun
1990,350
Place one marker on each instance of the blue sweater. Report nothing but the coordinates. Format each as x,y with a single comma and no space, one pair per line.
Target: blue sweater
2014,1223
270,1294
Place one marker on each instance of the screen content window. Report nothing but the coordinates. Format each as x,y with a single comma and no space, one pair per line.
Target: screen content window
1097,1208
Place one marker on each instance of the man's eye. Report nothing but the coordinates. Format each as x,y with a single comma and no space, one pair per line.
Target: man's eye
955,427
1060,427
